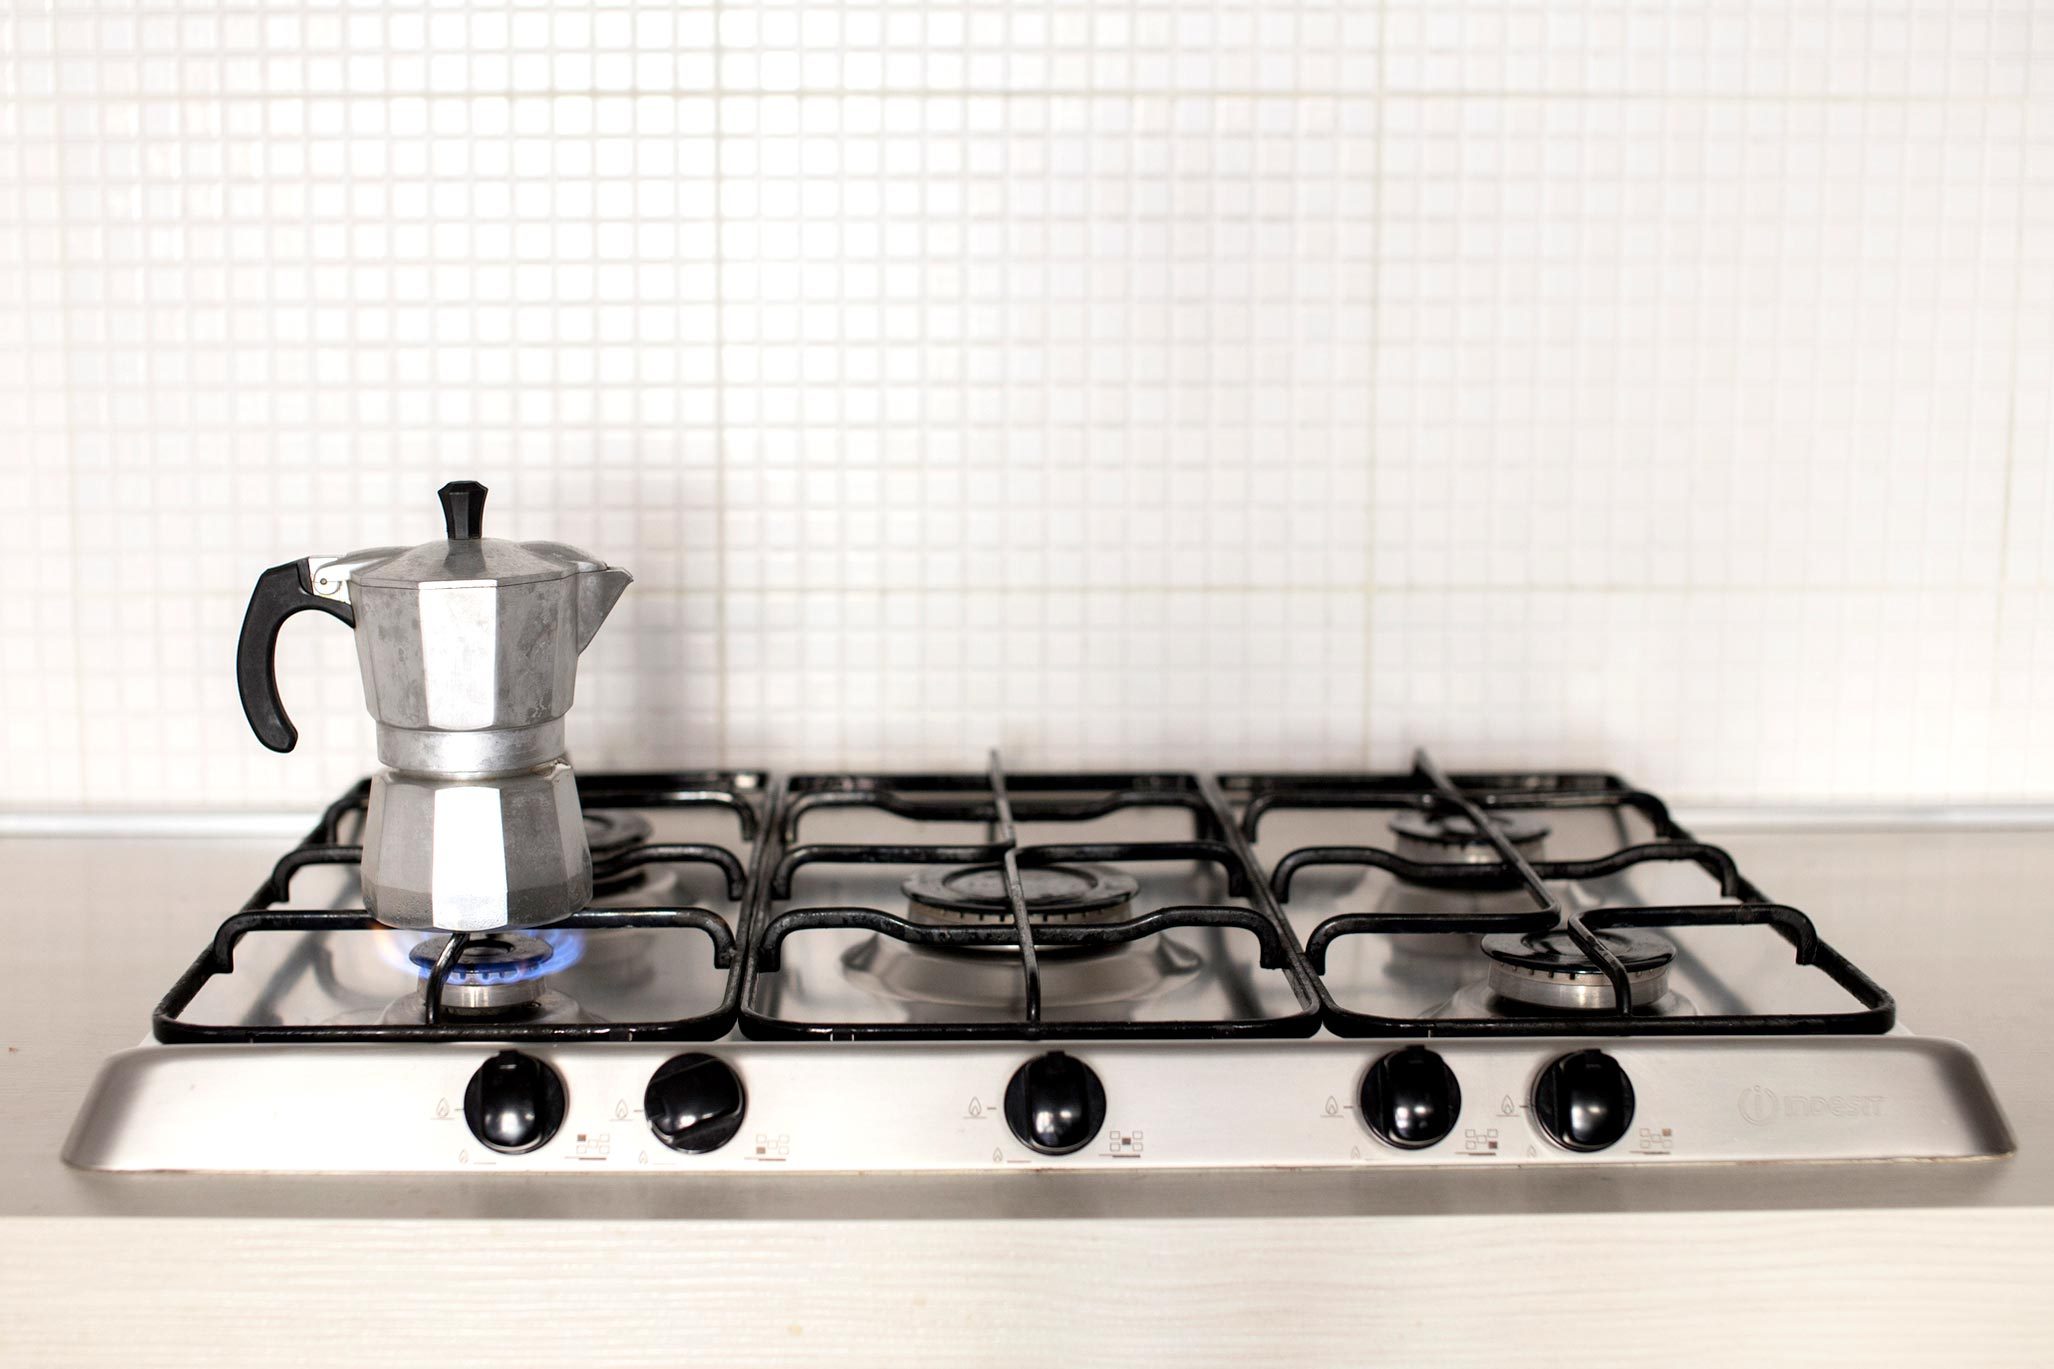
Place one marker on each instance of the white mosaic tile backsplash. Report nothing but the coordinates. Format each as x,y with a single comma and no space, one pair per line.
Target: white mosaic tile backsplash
1657,386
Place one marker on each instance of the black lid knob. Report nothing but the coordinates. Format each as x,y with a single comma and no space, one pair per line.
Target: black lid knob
463,510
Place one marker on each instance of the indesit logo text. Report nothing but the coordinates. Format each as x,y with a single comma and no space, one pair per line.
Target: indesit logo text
1762,1106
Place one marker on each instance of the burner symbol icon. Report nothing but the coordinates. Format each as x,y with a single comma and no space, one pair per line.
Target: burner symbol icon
1758,1105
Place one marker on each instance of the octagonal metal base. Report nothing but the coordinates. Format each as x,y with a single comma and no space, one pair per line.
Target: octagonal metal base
474,855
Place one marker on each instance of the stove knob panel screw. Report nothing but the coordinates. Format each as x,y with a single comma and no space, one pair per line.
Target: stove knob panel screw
695,1103
1055,1103
1410,1098
1583,1101
515,1103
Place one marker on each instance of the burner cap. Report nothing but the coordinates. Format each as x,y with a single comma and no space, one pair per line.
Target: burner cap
1452,836
1549,970
495,971
611,832
1051,891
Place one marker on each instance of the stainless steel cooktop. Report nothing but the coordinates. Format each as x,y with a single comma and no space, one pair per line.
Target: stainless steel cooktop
952,971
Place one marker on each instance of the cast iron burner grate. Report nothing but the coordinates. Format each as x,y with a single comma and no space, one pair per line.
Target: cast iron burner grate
1000,801
1501,807
621,855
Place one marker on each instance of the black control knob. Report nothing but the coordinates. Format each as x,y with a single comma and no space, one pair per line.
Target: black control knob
514,1103
1055,1104
1410,1098
695,1103
1583,1101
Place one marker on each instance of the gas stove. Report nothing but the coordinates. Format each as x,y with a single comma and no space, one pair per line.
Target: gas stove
990,971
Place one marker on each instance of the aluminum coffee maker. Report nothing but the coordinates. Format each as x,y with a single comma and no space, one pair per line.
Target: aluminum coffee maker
469,652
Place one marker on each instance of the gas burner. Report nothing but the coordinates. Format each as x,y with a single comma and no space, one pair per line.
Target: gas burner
988,985
976,894
1548,970
1451,838
496,974
612,833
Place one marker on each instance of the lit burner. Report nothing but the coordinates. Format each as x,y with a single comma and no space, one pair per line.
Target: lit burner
498,972
1451,838
976,894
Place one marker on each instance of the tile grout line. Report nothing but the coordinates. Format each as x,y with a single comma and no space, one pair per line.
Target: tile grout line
1994,700
71,474
1565,588
882,93
1367,750
720,440
2025,106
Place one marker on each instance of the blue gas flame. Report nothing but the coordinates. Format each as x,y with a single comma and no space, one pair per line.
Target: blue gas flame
566,948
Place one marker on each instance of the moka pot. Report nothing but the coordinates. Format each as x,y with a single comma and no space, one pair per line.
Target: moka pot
468,647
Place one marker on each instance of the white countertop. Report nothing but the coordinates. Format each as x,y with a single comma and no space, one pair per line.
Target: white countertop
1906,1258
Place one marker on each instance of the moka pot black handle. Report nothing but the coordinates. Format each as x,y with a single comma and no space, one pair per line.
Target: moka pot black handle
281,592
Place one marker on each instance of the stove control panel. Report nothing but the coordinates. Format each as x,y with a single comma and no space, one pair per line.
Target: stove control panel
740,1106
